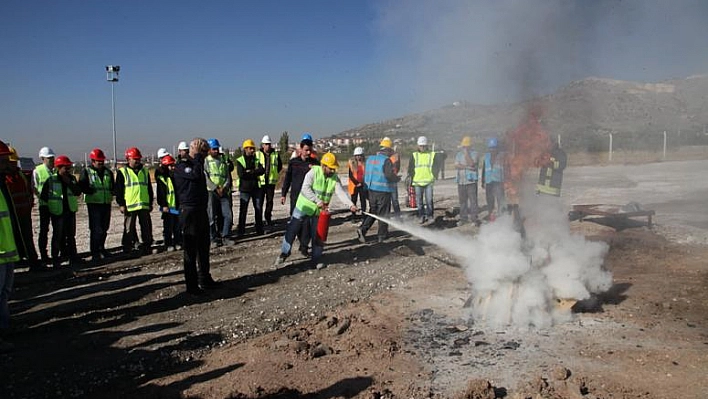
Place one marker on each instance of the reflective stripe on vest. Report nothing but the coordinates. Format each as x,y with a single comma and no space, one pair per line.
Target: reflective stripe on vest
103,187
423,172
56,197
374,176
323,187
493,172
42,175
8,248
272,173
136,193
216,170
545,184
171,199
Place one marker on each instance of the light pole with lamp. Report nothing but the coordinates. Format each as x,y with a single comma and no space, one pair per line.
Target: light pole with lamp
112,76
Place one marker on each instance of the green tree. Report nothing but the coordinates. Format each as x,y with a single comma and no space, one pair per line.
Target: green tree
283,144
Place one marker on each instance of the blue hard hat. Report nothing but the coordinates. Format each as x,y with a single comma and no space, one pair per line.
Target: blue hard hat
213,143
492,143
306,136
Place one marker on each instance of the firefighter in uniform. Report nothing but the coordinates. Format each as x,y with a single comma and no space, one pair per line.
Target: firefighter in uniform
40,176
167,201
420,169
134,196
218,180
381,181
270,159
97,183
550,177
319,185
8,248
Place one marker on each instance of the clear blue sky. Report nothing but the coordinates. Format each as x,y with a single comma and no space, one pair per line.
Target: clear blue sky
239,69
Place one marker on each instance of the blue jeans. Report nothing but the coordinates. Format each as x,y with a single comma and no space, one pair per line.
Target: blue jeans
7,279
219,208
428,192
309,223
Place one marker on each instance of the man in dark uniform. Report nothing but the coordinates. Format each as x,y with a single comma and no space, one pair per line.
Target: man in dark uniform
192,195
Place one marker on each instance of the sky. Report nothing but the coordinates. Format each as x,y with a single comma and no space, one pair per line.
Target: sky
241,69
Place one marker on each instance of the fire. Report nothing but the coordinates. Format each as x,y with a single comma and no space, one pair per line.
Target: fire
527,146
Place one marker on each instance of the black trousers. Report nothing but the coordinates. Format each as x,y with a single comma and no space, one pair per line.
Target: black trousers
171,231
380,205
363,195
130,234
267,194
43,239
63,236
244,198
194,223
99,216
26,250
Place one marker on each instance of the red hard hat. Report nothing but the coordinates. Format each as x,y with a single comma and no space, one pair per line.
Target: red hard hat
133,153
4,149
62,160
167,160
97,155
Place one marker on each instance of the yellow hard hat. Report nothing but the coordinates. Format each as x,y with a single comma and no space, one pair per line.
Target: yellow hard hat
386,142
466,141
248,143
13,154
329,160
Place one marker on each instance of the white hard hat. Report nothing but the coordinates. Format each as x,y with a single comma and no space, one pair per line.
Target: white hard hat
182,145
46,152
162,152
422,140
266,140
358,151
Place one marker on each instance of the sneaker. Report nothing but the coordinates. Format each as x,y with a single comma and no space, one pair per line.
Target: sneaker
304,252
320,266
361,235
423,221
228,241
280,260
178,247
169,249
209,283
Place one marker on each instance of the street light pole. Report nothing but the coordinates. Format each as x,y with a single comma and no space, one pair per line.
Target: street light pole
112,77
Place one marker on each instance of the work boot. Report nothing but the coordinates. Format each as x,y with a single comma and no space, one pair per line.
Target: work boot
361,235
197,292
304,252
209,283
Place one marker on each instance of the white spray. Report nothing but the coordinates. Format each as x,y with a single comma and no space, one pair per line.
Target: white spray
517,281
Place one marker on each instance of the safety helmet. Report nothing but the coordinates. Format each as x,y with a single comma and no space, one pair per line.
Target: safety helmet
266,140
358,151
46,152
161,153
306,136
97,155
466,142
213,144
4,149
13,154
248,143
329,160
386,143
422,140
492,142
133,153
182,145
167,160
62,160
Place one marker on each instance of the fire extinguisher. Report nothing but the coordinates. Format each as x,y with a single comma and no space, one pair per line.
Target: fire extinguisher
323,225
411,193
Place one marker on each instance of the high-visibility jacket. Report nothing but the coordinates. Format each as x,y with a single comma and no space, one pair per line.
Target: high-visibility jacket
102,195
493,171
21,193
271,175
467,175
423,172
41,175
170,192
8,248
55,200
216,170
136,194
358,170
550,177
374,177
323,187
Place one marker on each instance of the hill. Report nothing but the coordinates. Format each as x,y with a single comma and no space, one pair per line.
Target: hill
583,113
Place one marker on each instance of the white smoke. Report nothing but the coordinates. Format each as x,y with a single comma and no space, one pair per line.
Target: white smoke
515,280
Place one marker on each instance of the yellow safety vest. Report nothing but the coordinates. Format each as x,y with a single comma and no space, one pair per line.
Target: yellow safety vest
423,173
323,187
56,197
103,187
171,199
43,174
217,170
136,193
272,173
8,248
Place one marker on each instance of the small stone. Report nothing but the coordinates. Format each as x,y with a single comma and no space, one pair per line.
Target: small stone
560,373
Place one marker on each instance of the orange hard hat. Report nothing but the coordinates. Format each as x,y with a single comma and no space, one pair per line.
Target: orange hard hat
133,153
167,160
4,149
62,160
97,155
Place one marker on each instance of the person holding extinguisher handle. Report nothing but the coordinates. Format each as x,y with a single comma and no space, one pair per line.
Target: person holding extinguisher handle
314,198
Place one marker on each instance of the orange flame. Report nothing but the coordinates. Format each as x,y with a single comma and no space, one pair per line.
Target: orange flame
528,146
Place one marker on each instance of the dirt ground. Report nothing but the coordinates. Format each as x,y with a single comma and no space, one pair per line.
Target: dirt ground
382,320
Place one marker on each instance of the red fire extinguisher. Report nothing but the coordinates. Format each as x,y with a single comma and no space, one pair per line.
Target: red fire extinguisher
323,225
411,193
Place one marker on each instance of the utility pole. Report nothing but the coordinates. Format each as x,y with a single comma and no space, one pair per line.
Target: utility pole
112,77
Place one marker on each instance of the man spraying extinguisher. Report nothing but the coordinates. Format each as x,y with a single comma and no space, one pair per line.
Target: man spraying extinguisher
315,196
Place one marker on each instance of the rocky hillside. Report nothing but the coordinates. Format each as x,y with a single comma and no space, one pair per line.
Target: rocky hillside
583,112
